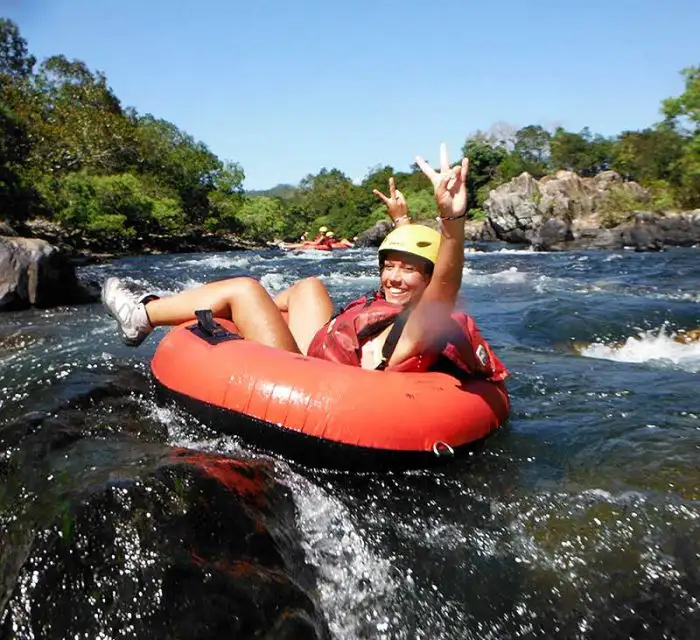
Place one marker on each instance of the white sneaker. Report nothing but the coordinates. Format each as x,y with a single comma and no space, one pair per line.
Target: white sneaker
128,309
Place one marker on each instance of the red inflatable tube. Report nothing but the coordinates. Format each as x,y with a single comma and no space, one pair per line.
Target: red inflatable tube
320,412
304,246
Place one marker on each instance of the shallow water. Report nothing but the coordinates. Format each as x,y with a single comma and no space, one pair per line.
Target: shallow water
579,519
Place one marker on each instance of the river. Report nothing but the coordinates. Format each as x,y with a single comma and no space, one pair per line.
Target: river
579,519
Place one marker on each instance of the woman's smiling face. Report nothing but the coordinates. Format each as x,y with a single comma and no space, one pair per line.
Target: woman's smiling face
403,278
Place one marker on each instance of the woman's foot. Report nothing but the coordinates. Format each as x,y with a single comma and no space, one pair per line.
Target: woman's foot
128,309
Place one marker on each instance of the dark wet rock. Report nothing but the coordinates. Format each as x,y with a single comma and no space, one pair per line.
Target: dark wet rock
36,273
644,231
682,229
103,535
551,234
374,236
6,229
189,546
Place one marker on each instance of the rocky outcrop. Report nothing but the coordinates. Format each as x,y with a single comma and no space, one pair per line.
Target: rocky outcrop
513,210
565,211
519,209
36,273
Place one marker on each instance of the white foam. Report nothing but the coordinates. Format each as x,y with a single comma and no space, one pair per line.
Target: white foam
519,252
309,254
219,262
656,346
352,578
275,282
507,276
337,278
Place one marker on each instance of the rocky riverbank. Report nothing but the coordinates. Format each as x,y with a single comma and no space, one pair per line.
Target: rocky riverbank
82,249
38,260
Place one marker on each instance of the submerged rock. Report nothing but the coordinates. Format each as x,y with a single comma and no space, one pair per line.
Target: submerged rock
104,535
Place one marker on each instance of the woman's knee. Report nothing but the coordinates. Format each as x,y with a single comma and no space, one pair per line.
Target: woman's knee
243,287
311,286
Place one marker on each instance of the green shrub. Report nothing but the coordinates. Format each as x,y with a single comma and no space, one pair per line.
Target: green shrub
109,225
167,214
617,206
662,195
421,205
119,204
262,218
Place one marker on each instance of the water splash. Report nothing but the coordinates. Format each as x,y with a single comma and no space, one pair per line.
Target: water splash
220,261
662,347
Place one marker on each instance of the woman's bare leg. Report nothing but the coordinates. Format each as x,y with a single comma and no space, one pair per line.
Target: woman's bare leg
308,306
243,300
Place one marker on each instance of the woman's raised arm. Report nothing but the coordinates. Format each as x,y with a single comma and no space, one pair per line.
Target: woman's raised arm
428,321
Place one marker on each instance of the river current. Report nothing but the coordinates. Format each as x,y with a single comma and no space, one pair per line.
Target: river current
580,518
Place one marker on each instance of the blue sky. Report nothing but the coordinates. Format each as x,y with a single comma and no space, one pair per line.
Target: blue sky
286,88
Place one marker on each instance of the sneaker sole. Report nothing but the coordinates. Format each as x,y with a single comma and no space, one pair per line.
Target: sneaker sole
129,342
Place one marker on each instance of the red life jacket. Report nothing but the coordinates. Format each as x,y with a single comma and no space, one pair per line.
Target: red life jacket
463,351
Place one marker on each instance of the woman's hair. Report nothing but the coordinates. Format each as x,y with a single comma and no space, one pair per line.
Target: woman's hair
427,267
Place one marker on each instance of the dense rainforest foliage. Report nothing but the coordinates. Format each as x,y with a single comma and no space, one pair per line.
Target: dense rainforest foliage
70,152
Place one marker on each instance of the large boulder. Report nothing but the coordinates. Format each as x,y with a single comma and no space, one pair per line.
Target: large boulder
374,236
552,234
6,229
109,532
513,209
476,230
36,273
565,195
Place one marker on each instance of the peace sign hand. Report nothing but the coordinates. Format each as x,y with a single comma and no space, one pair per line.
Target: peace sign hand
450,184
396,204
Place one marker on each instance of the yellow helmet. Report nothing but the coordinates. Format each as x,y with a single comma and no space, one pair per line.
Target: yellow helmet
415,239
330,234
323,229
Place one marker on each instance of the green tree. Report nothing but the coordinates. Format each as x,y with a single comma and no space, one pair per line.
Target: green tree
16,65
531,151
485,155
119,205
582,152
15,195
262,218
15,60
683,115
378,178
188,168
79,121
649,155
227,198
